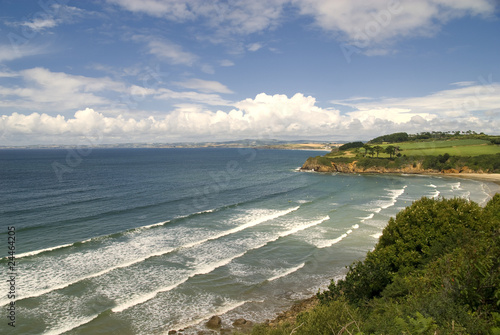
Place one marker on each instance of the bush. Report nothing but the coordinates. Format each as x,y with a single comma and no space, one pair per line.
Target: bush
436,269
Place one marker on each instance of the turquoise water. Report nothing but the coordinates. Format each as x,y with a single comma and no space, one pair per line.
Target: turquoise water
142,241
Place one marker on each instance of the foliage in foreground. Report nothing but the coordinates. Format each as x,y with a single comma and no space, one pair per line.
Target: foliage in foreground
435,270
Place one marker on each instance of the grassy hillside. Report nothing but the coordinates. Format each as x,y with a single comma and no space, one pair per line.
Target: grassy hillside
435,270
470,147
479,153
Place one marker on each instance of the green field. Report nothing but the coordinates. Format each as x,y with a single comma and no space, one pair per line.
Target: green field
469,147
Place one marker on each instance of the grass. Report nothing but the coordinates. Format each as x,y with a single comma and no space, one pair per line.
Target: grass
468,147
469,150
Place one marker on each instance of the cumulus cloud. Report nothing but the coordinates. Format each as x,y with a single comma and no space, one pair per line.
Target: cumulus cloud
273,115
270,116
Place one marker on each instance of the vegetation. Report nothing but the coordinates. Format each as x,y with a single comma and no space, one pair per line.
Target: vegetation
351,145
396,137
436,151
435,270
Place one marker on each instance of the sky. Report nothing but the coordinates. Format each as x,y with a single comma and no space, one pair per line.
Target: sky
163,71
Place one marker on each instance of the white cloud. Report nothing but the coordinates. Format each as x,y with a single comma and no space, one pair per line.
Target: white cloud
271,116
463,83
205,86
56,91
235,17
51,17
254,47
171,52
458,102
381,22
179,10
226,63
40,24
19,48
202,98
372,25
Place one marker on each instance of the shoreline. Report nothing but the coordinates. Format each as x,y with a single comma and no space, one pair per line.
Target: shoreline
243,326
490,177
306,304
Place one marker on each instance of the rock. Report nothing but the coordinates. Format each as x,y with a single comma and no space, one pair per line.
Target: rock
242,323
214,322
172,332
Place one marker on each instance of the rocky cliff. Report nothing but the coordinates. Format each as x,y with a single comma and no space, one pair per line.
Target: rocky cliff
320,165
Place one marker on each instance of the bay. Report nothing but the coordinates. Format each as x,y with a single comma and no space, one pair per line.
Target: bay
143,241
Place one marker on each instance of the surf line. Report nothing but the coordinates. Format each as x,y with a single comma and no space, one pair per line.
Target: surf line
209,268
164,252
92,239
201,270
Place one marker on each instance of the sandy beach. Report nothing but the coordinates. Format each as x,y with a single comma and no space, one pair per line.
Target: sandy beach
493,177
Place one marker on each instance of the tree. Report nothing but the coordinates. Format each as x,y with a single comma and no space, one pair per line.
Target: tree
378,149
367,148
391,150
371,151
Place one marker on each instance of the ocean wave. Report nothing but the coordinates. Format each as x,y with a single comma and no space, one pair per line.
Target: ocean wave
208,268
268,216
286,272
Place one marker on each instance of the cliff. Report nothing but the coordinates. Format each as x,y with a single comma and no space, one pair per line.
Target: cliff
319,164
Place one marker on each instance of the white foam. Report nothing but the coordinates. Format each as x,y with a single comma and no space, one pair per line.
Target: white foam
394,195
36,252
305,226
247,225
363,219
124,249
329,243
67,327
287,272
376,235
203,269
207,268
455,186
356,226
151,225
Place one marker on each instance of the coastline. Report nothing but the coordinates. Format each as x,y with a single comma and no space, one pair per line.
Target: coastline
288,315
490,180
491,177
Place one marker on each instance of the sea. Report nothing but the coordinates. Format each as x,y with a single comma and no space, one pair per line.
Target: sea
144,241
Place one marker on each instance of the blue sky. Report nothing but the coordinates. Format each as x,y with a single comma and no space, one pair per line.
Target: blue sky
118,71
